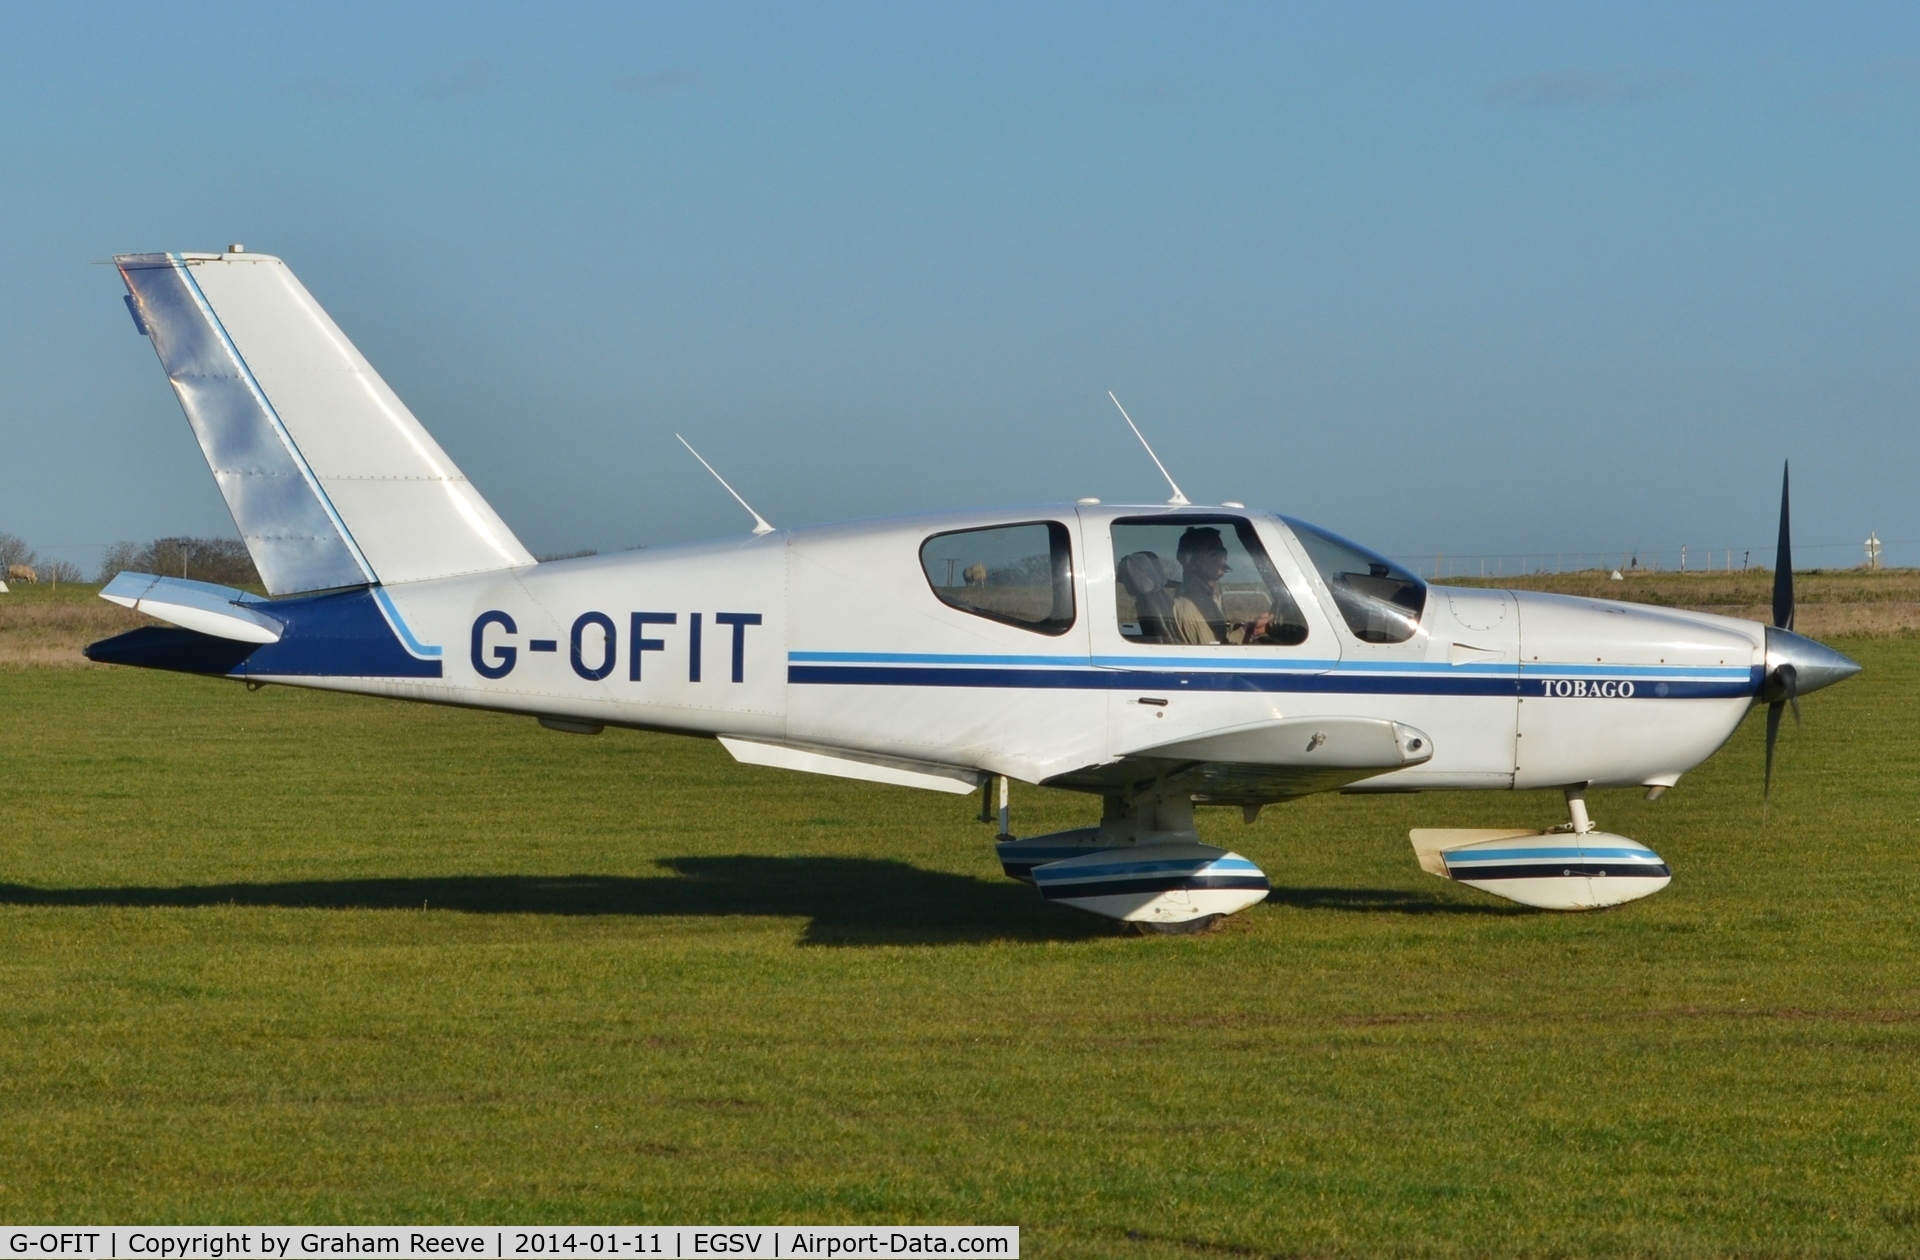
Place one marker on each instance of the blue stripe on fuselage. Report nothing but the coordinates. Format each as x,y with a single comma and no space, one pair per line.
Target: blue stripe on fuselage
905,669
1287,664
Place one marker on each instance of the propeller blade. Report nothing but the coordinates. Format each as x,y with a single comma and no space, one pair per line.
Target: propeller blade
1773,736
1783,564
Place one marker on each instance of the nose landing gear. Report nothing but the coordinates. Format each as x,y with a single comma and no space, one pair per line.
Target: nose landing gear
1569,867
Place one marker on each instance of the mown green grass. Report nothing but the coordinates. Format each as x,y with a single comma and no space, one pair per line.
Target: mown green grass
292,956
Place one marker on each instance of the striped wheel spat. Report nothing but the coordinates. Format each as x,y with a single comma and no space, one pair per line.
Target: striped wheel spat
1561,872
1118,871
1154,883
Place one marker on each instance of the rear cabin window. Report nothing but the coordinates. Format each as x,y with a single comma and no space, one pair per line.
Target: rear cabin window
1381,601
1200,581
1018,574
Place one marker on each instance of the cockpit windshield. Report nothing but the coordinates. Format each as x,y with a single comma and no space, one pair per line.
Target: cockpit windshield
1381,601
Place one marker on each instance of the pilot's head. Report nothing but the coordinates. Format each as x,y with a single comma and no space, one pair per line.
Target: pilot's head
1201,551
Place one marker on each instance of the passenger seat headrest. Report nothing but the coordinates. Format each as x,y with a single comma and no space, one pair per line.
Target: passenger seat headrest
1141,573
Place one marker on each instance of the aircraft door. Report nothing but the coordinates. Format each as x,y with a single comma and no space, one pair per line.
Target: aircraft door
1477,735
1445,660
1205,623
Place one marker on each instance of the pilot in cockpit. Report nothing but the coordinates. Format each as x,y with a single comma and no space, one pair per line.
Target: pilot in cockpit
1197,616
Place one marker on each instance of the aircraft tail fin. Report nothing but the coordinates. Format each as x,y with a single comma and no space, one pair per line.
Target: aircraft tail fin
332,481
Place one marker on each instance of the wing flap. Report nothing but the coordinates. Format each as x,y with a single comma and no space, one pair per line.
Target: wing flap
899,771
1274,760
1351,743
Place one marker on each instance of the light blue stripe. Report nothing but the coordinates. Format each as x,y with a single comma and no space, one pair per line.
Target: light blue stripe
1638,671
1191,866
1502,855
933,658
1424,667
399,623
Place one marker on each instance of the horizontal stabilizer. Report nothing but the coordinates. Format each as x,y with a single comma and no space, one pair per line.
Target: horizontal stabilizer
900,772
332,481
220,611
337,634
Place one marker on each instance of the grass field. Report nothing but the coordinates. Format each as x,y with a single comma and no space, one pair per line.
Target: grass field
291,956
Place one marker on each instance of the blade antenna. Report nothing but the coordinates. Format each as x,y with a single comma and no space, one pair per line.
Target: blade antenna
1178,499
760,525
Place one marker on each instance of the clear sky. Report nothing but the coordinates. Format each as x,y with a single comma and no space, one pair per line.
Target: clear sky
1445,278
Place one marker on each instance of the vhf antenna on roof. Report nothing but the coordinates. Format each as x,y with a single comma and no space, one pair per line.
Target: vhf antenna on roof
760,525
1178,499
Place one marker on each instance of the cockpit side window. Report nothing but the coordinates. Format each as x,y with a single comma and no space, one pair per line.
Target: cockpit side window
1381,601
1018,574
1200,581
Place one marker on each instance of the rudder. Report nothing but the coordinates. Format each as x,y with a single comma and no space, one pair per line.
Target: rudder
332,481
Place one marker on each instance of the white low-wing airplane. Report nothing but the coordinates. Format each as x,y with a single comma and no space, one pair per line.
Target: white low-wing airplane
1160,657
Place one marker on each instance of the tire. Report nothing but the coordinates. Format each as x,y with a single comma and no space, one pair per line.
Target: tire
1186,927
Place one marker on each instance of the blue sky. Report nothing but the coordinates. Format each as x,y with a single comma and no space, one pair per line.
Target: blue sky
1493,279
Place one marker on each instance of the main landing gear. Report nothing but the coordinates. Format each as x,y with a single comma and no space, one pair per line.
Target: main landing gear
1144,864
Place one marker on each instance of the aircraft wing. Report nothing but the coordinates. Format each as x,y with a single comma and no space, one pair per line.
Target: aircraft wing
1265,762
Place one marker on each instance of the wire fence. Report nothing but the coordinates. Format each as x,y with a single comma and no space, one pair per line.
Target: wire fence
1439,565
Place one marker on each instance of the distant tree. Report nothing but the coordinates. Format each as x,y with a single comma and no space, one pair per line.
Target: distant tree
14,551
221,560
119,558
58,571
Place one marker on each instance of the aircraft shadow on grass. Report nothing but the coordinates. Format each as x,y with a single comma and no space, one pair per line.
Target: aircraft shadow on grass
849,901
